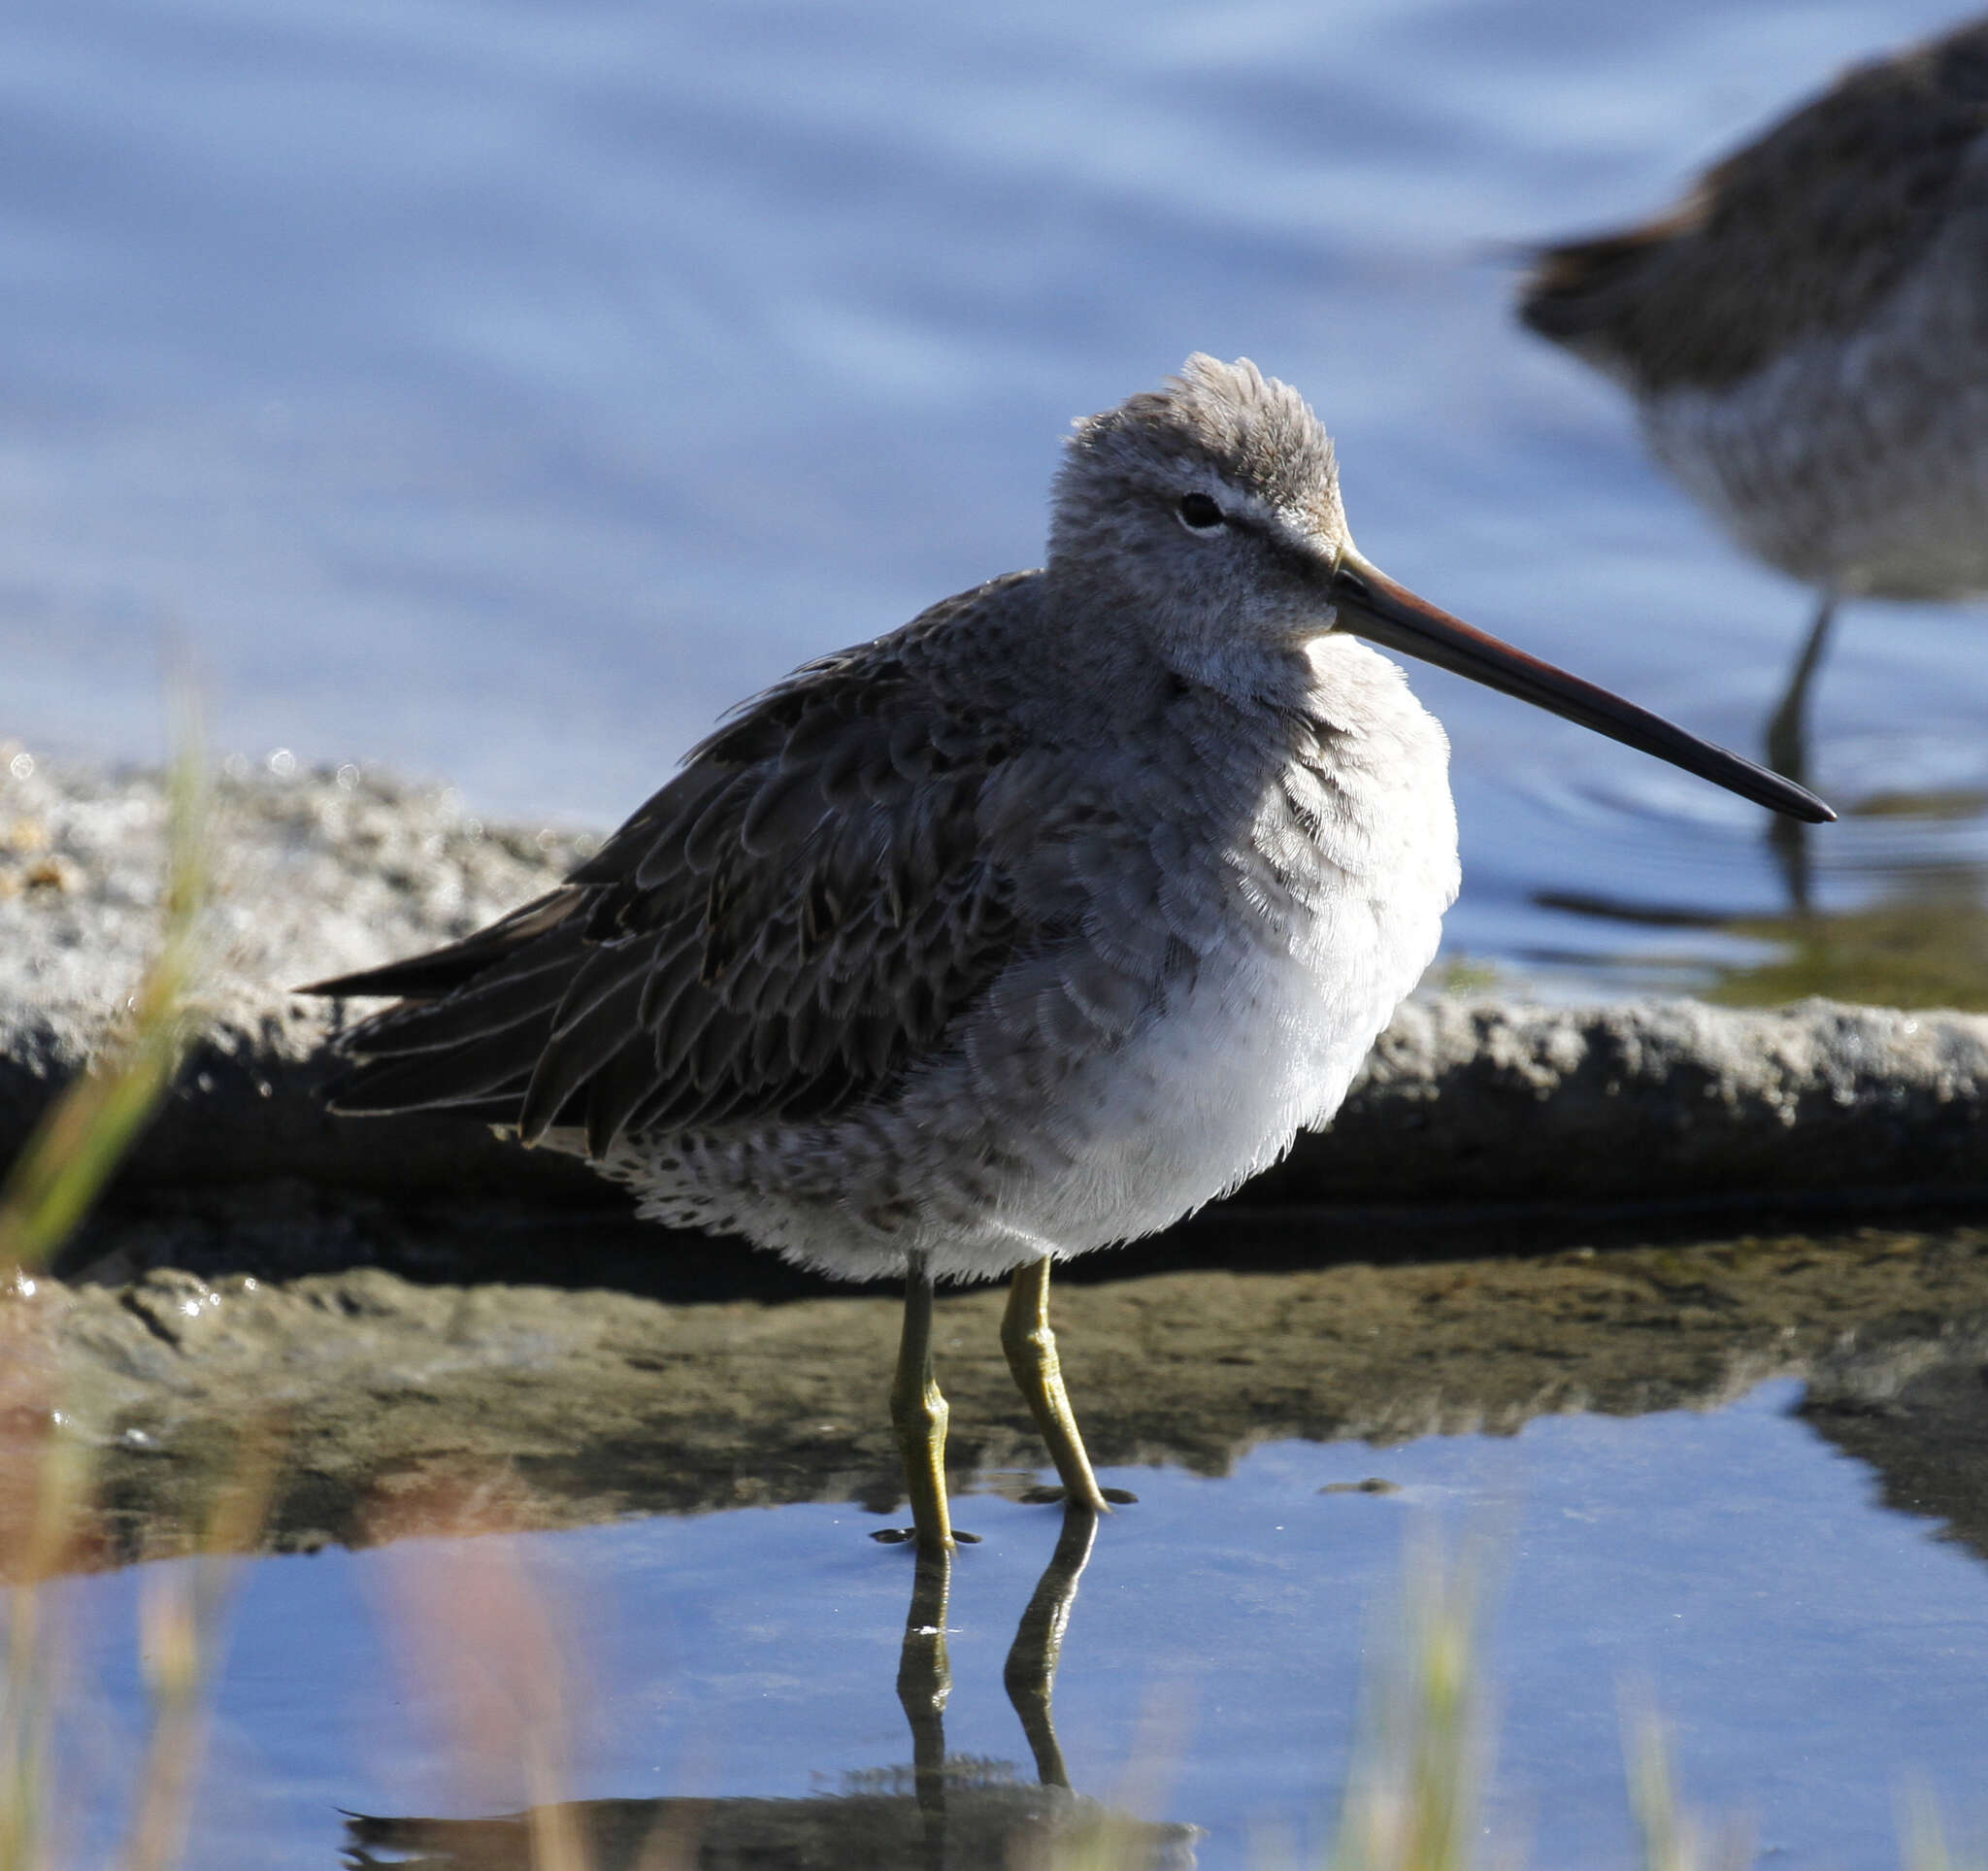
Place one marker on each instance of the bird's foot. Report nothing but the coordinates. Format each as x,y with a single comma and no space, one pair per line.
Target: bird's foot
904,1535
1053,1493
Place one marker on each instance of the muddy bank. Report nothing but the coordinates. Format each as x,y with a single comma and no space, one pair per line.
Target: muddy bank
403,1408
440,1331
1461,1102
1915,1407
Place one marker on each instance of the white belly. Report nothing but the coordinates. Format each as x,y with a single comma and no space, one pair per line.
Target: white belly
982,1163
1279,1016
1217,1091
1857,462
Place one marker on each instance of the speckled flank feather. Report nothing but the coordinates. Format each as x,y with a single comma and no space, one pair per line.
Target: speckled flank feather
1021,930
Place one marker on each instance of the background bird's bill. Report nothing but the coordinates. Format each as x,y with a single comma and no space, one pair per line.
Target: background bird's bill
1372,605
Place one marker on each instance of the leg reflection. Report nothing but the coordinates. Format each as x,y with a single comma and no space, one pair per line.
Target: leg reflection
924,1681
958,1813
1030,1676
1788,752
1787,728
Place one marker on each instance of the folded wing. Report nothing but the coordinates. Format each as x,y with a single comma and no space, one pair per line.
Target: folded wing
804,910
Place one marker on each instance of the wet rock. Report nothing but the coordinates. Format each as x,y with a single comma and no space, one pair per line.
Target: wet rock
1461,1102
1654,1101
315,874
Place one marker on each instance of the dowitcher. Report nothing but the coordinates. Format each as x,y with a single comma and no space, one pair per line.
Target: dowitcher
1805,336
1024,929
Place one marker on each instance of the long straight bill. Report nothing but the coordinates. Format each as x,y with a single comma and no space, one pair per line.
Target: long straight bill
1372,605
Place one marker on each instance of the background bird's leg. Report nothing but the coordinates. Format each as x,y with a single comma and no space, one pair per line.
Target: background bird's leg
919,1413
1788,752
1030,1675
1031,1347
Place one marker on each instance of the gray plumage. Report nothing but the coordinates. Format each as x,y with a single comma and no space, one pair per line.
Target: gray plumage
1805,334
1030,926
1023,929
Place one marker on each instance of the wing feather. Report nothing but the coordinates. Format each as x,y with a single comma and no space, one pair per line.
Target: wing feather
811,905
576,1053
441,970
428,1080
617,1089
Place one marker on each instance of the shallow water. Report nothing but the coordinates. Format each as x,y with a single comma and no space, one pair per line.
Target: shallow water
1815,1651
500,392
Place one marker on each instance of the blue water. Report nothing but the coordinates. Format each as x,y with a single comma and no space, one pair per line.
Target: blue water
1814,1652
499,392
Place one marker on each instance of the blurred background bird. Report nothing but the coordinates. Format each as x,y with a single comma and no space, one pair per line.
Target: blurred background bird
1805,337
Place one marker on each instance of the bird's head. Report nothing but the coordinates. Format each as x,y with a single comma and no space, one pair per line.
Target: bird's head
1210,508
1207,514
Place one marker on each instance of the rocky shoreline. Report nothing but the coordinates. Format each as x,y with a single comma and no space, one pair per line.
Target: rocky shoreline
1464,1102
442,1331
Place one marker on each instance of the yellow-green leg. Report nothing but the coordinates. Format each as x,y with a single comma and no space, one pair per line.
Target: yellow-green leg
919,1413
1031,1347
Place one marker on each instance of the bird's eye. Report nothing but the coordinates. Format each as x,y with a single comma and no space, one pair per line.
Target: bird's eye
1198,513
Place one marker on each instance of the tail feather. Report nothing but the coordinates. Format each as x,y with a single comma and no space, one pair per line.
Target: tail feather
529,990
441,970
473,1018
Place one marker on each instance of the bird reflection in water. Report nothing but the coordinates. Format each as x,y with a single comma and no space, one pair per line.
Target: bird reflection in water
1915,935
943,1814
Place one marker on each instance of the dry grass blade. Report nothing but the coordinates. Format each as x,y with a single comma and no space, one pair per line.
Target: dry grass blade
490,1647
49,1189
1670,1836
1413,1797
180,1617
80,1143
28,1690
1924,1835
